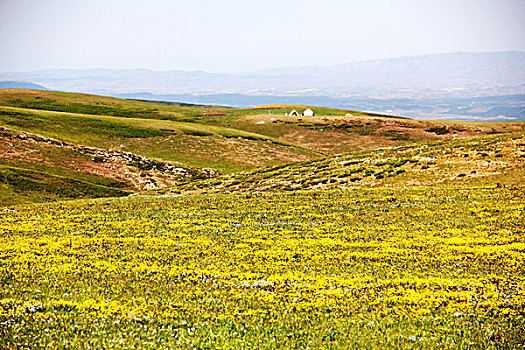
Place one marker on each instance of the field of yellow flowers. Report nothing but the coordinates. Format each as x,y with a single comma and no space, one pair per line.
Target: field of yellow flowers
371,268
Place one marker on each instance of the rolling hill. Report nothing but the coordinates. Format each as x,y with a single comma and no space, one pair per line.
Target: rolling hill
483,160
331,131
63,145
35,168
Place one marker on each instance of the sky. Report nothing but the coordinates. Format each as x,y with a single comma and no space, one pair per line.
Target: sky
242,35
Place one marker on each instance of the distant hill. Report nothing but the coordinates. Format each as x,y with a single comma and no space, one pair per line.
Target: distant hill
449,71
426,87
458,74
20,85
482,108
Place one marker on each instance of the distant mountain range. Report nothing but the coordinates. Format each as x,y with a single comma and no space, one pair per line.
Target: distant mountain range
20,85
437,85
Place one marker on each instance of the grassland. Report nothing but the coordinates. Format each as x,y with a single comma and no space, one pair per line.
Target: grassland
34,168
101,105
60,145
185,137
196,145
21,185
413,238
331,131
484,160
368,268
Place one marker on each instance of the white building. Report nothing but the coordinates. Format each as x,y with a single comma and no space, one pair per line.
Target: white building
308,113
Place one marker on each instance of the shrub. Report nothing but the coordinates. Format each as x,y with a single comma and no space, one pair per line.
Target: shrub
438,130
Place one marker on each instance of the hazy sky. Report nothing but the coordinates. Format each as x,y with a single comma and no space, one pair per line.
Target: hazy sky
236,35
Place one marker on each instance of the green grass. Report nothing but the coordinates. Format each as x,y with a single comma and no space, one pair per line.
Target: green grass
19,185
53,104
84,128
360,131
51,160
195,145
492,159
73,127
101,105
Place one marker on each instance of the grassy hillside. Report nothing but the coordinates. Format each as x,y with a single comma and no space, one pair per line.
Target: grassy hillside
261,141
102,105
22,185
335,132
197,145
331,131
483,160
34,168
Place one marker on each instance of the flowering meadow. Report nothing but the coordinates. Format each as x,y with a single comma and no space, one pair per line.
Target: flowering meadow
420,268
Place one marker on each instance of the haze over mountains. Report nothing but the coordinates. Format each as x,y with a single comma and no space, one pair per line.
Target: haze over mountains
475,86
20,85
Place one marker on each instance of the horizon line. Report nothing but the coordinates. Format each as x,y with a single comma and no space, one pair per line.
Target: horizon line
263,69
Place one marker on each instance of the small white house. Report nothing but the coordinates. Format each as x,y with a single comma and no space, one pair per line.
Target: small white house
294,113
308,113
